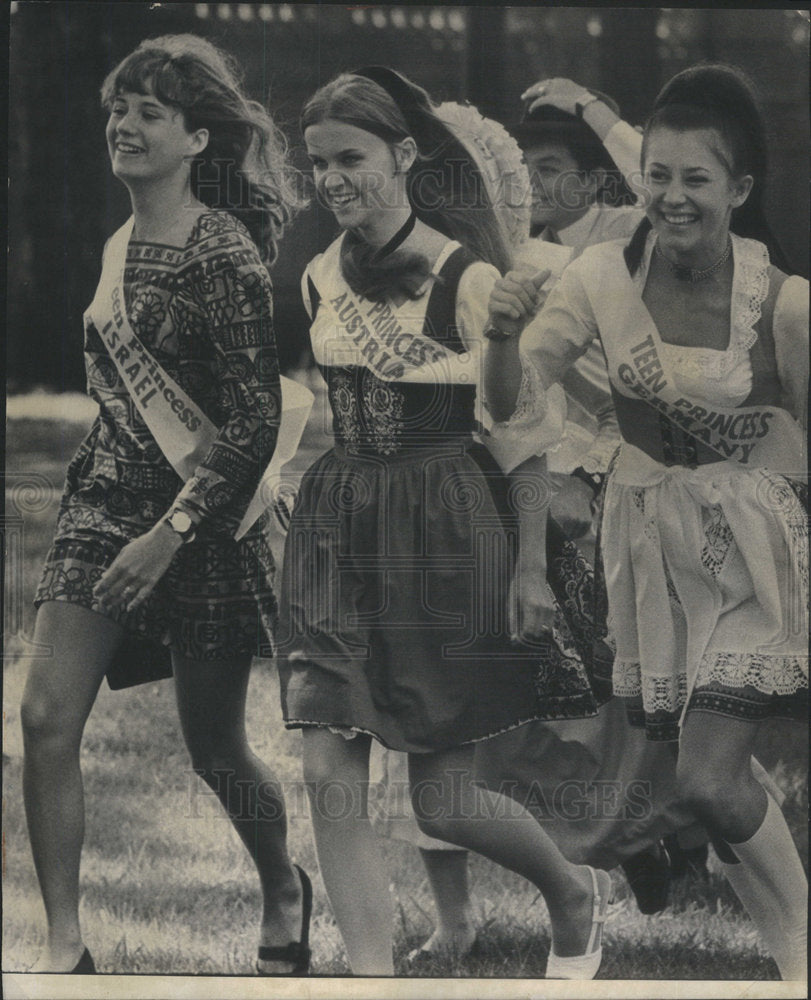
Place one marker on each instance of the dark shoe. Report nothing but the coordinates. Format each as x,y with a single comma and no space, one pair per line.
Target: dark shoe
687,861
85,966
297,952
648,875
422,962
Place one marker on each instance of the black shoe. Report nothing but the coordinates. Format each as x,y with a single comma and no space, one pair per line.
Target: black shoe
297,952
687,861
648,875
85,966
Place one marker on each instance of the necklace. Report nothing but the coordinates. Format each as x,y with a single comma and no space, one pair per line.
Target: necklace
399,237
694,274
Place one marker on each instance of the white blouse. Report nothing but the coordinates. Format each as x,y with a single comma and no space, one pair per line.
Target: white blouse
566,326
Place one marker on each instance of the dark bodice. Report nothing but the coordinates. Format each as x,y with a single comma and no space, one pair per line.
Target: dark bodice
379,418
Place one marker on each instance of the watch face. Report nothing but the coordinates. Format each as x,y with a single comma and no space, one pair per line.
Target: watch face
180,521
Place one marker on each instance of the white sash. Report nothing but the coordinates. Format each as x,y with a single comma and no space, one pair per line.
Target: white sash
182,431
755,436
389,342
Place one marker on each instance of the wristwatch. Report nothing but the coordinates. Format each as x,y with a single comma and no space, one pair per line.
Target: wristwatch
182,525
584,103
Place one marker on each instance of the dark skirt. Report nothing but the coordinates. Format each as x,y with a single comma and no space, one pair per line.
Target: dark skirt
394,598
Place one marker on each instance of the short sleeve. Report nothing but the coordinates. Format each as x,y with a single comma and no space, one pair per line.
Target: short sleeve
472,298
309,293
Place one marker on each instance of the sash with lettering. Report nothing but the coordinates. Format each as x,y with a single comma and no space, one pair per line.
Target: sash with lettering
182,431
388,341
755,436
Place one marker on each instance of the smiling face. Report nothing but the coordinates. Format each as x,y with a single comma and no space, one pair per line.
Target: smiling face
148,140
561,191
358,176
692,191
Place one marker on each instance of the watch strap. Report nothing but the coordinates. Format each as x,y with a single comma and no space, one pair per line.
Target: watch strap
180,521
584,103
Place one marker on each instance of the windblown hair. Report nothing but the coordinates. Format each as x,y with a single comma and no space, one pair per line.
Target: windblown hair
718,97
445,187
244,168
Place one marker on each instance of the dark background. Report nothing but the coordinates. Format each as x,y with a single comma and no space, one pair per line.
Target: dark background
64,202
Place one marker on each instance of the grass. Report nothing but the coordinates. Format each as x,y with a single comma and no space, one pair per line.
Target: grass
168,888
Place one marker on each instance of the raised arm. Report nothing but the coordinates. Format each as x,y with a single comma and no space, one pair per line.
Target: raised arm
622,142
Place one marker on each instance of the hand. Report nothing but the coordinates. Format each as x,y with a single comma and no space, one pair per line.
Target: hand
137,568
531,604
516,298
561,93
571,505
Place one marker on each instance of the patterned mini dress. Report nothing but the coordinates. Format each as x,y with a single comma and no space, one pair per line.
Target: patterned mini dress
204,312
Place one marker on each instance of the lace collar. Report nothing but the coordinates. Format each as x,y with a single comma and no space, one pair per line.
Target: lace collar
750,286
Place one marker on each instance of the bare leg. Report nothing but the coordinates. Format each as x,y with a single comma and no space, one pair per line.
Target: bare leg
715,776
59,694
337,774
447,805
211,706
750,833
455,929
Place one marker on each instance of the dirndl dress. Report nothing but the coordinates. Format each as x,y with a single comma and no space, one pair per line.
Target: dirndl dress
398,561
204,313
706,558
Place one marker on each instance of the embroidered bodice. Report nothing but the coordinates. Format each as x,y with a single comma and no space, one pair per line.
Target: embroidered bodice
382,418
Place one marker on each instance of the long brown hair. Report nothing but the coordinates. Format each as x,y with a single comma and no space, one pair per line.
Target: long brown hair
445,187
244,168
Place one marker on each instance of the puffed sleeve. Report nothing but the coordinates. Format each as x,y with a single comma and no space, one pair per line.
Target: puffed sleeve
537,423
472,298
790,329
563,329
591,407
309,293
236,297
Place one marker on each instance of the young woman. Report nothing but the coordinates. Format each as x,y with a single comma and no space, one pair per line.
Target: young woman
179,339
397,561
704,530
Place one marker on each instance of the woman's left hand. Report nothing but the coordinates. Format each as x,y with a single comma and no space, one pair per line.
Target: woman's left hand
137,568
